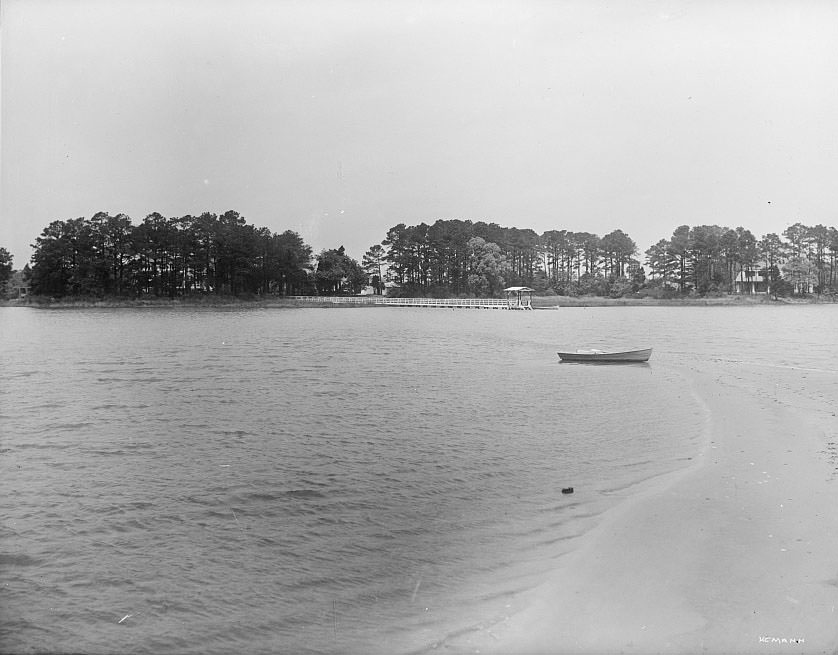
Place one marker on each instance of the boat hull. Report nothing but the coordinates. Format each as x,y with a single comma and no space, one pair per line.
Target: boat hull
614,357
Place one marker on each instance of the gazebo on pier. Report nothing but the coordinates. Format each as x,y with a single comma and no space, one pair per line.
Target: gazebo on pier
518,297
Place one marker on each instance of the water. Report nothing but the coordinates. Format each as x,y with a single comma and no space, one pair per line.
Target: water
333,481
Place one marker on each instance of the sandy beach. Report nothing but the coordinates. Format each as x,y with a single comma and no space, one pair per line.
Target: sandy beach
736,554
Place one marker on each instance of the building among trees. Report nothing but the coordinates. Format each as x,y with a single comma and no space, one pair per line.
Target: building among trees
750,282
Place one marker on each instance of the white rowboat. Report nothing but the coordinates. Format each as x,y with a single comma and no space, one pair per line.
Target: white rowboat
605,356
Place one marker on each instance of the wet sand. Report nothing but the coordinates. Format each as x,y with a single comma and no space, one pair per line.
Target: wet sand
736,554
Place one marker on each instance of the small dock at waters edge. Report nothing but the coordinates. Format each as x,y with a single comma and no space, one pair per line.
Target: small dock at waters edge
517,298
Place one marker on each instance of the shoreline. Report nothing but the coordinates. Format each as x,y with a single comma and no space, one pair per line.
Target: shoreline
279,302
734,554
722,301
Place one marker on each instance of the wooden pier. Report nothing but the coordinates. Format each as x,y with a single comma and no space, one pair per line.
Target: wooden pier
445,303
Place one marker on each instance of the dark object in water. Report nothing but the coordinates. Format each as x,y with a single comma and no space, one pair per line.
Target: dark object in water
567,490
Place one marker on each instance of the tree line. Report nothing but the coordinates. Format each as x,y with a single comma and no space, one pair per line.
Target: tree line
453,256
709,259
223,254
461,257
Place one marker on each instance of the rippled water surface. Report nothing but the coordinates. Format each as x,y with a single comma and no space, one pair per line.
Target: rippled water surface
307,480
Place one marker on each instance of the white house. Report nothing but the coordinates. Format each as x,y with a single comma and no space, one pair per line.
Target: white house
751,281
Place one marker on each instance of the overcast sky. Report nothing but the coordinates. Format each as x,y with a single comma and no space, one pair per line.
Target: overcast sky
339,119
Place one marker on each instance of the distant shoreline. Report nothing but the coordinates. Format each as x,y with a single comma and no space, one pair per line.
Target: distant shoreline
728,301
538,302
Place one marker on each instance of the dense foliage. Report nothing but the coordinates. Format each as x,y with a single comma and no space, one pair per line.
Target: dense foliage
337,273
6,261
223,254
460,257
107,255
709,259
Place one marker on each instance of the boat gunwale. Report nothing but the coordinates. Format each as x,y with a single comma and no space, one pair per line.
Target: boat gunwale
637,355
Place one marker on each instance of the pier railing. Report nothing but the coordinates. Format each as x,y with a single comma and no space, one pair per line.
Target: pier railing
454,303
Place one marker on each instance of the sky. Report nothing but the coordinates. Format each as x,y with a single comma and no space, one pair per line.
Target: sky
341,118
